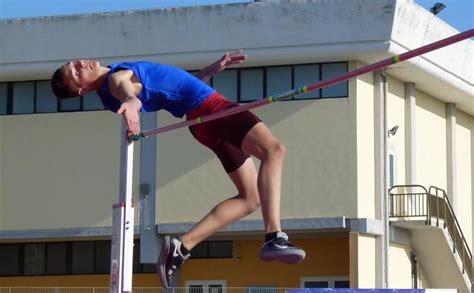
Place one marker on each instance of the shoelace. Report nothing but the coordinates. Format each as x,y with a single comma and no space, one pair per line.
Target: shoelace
282,242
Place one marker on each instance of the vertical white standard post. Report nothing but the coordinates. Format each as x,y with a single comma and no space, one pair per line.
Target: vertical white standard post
121,261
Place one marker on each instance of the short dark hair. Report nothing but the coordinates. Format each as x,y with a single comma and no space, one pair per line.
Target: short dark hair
60,89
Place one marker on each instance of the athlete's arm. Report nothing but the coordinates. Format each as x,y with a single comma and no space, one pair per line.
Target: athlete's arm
123,89
228,59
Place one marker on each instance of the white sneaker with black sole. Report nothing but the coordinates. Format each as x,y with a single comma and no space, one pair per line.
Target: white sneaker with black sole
280,249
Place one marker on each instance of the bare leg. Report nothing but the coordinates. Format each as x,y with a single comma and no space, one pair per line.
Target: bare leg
230,210
260,142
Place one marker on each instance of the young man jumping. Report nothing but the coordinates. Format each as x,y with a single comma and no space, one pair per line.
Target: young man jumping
130,88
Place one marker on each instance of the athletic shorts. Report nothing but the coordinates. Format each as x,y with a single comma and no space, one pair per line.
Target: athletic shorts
223,136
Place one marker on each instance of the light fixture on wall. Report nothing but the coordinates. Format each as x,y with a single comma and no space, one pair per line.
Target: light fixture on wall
437,8
393,131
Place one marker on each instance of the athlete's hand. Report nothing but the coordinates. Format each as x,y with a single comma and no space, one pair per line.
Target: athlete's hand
230,58
131,116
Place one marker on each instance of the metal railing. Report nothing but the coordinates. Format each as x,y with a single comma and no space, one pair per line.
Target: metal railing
416,202
206,289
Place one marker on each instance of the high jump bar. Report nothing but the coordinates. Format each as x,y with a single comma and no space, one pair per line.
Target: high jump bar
311,87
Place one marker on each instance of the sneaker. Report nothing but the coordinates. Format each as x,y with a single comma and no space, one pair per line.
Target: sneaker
170,259
280,249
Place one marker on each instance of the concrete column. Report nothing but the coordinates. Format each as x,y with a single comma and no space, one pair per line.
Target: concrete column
381,194
451,154
410,133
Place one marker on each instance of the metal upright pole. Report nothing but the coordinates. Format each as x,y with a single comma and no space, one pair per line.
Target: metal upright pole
121,261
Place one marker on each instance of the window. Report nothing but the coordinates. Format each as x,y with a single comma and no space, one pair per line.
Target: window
325,282
238,85
9,258
34,259
3,98
92,102
213,249
278,80
102,257
23,97
56,254
207,286
330,70
251,85
306,74
46,101
391,166
82,258
226,84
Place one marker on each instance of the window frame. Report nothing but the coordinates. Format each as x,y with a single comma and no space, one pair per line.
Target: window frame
329,279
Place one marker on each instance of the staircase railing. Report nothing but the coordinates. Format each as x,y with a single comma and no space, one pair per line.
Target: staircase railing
416,202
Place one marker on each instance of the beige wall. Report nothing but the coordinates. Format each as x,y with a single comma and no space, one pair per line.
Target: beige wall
396,116
61,170
2,184
431,141
319,178
464,173
366,264
365,143
399,268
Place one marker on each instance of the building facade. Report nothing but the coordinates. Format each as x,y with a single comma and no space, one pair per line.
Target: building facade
347,145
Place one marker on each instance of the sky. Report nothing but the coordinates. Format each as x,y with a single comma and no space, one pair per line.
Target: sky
458,13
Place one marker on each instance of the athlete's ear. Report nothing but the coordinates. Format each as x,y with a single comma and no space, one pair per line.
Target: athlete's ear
83,90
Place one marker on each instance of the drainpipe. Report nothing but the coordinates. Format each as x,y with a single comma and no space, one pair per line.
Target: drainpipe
451,153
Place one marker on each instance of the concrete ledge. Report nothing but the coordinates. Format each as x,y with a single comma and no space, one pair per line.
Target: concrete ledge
338,224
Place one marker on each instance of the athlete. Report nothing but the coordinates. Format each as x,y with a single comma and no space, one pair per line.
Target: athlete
132,87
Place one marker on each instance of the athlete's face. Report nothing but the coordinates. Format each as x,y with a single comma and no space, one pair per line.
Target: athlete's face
80,74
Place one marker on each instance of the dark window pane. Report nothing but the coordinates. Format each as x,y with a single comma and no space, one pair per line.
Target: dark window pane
46,102
200,251
195,289
9,260
82,258
251,84
215,288
3,98
70,104
330,70
342,284
220,249
149,268
56,259
102,257
226,84
278,80
136,257
92,102
316,284
23,97
304,75
34,259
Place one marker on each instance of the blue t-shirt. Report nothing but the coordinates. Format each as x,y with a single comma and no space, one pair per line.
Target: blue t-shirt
164,87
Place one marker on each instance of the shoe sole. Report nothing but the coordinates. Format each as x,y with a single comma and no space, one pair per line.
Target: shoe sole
161,264
290,258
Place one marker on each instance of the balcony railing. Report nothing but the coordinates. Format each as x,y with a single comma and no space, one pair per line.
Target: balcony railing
413,202
191,289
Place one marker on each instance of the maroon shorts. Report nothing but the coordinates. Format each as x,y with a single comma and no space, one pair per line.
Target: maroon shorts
224,136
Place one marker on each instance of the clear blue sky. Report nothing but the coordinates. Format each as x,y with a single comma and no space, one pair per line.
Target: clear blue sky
458,13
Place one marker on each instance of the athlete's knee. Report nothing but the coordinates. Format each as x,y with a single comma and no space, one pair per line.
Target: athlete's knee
276,151
252,201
